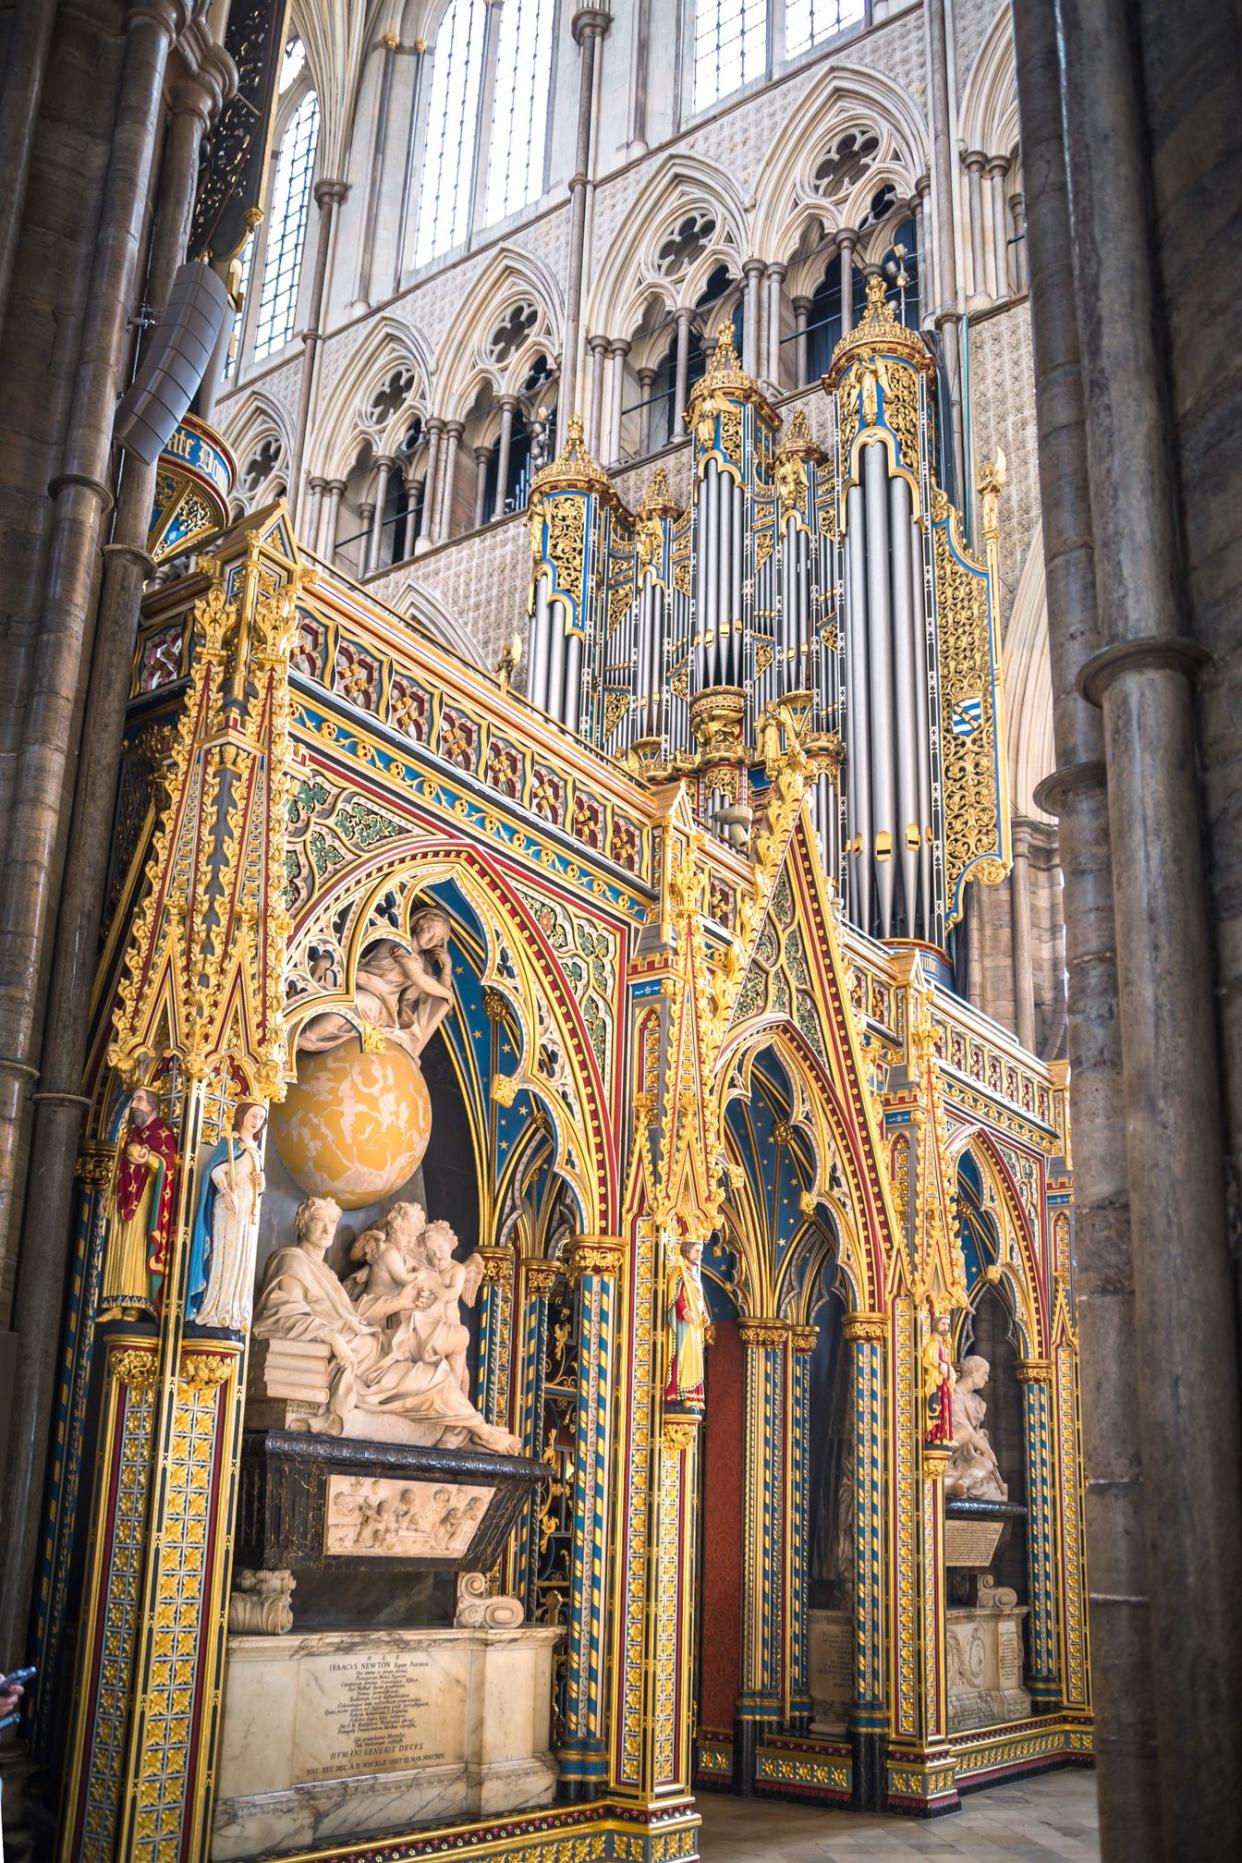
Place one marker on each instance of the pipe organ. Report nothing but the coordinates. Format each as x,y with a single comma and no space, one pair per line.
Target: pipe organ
817,589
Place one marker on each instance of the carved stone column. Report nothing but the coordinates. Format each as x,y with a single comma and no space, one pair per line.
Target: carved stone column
945,301
390,44
646,382
366,513
1123,1678
328,197
998,174
1035,1377
847,239
428,529
598,346
595,1263
684,318
448,477
482,461
590,24
314,509
331,516
617,353
1023,957
772,363
384,465
760,1703
753,271
801,311
410,531
508,408
980,295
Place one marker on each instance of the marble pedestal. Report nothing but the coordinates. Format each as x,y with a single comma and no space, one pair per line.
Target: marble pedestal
336,1735
983,1650
831,1670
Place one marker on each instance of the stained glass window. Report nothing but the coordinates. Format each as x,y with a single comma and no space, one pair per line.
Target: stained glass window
286,238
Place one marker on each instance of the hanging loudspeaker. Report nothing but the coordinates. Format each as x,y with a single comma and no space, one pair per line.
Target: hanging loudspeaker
176,362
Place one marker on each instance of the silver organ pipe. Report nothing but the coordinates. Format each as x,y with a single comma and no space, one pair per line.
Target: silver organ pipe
857,717
930,912
878,624
906,707
822,593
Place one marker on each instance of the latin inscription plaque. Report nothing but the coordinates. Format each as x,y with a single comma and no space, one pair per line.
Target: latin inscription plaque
369,1714
971,1542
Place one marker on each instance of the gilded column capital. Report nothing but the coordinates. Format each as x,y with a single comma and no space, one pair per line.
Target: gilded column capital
498,1265
540,1275
136,1366
1034,1371
202,1371
803,1338
679,1432
865,1328
596,1255
760,1334
94,1166
936,1459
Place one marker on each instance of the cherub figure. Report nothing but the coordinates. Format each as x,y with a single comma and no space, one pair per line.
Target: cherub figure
405,994
392,1256
451,1282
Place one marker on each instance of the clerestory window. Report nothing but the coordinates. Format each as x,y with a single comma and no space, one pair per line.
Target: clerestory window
520,109
738,41
286,234
489,67
810,22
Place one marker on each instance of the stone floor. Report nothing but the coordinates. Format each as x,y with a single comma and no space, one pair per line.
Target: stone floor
1052,1814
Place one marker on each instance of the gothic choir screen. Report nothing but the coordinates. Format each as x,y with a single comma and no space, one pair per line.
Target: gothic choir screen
571,1304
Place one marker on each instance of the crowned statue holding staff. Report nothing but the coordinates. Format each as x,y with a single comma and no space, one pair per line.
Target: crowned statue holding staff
686,1312
139,1208
220,1291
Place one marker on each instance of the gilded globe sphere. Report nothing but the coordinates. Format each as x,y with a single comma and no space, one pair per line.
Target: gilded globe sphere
354,1126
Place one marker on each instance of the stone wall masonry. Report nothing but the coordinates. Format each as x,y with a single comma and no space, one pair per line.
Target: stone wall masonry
1002,401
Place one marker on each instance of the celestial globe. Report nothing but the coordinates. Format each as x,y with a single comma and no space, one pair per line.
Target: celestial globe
354,1125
